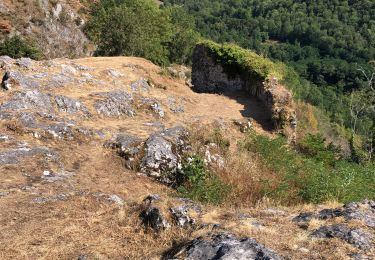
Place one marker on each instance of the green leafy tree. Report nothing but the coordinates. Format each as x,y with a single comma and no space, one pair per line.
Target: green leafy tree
17,47
132,28
141,28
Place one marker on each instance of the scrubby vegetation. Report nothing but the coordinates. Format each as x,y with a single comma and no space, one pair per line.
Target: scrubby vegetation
237,59
316,172
141,28
200,183
17,47
327,46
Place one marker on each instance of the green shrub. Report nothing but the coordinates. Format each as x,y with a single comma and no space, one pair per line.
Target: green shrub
16,47
143,29
201,184
315,175
218,138
236,59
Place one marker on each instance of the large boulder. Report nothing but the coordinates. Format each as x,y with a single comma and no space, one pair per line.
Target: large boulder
222,246
163,154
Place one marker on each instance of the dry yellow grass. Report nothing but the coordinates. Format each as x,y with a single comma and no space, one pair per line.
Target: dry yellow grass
84,225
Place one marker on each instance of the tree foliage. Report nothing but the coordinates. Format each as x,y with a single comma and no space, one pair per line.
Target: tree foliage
324,41
141,28
17,47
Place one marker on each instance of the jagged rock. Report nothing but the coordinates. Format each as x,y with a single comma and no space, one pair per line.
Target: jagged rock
54,198
59,80
213,159
24,62
5,61
50,177
5,84
67,69
181,216
31,99
128,147
83,257
16,77
176,106
329,213
109,197
152,218
70,105
356,237
117,103
222,246
361,210
40,75
151,198
163,153
3,194
140,85
152,104
303,219
114,73
13,156
244,125
4,137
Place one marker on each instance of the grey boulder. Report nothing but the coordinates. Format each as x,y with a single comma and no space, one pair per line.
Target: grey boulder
222,246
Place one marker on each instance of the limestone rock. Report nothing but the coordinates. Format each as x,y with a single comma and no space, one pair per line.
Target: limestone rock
116,103
24,62
70,105
14,77
356,237
361,210
153,105
163,153
128,147
222,246
13,156
31,99
140,85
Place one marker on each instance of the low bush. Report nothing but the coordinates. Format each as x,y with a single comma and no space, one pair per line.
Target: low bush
314,174
17,47
201,184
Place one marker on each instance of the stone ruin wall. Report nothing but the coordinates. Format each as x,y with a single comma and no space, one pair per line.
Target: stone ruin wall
209,76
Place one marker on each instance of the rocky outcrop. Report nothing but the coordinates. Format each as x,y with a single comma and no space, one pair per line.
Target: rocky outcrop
54,26
356,237
222,246
210,75
360,210
163,154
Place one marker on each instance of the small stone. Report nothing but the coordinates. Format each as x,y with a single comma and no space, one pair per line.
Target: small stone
114,73
46,173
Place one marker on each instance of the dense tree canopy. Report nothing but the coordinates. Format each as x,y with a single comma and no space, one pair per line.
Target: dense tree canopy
141,28
326,42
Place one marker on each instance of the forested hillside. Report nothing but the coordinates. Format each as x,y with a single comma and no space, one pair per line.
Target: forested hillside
325,41
329,44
